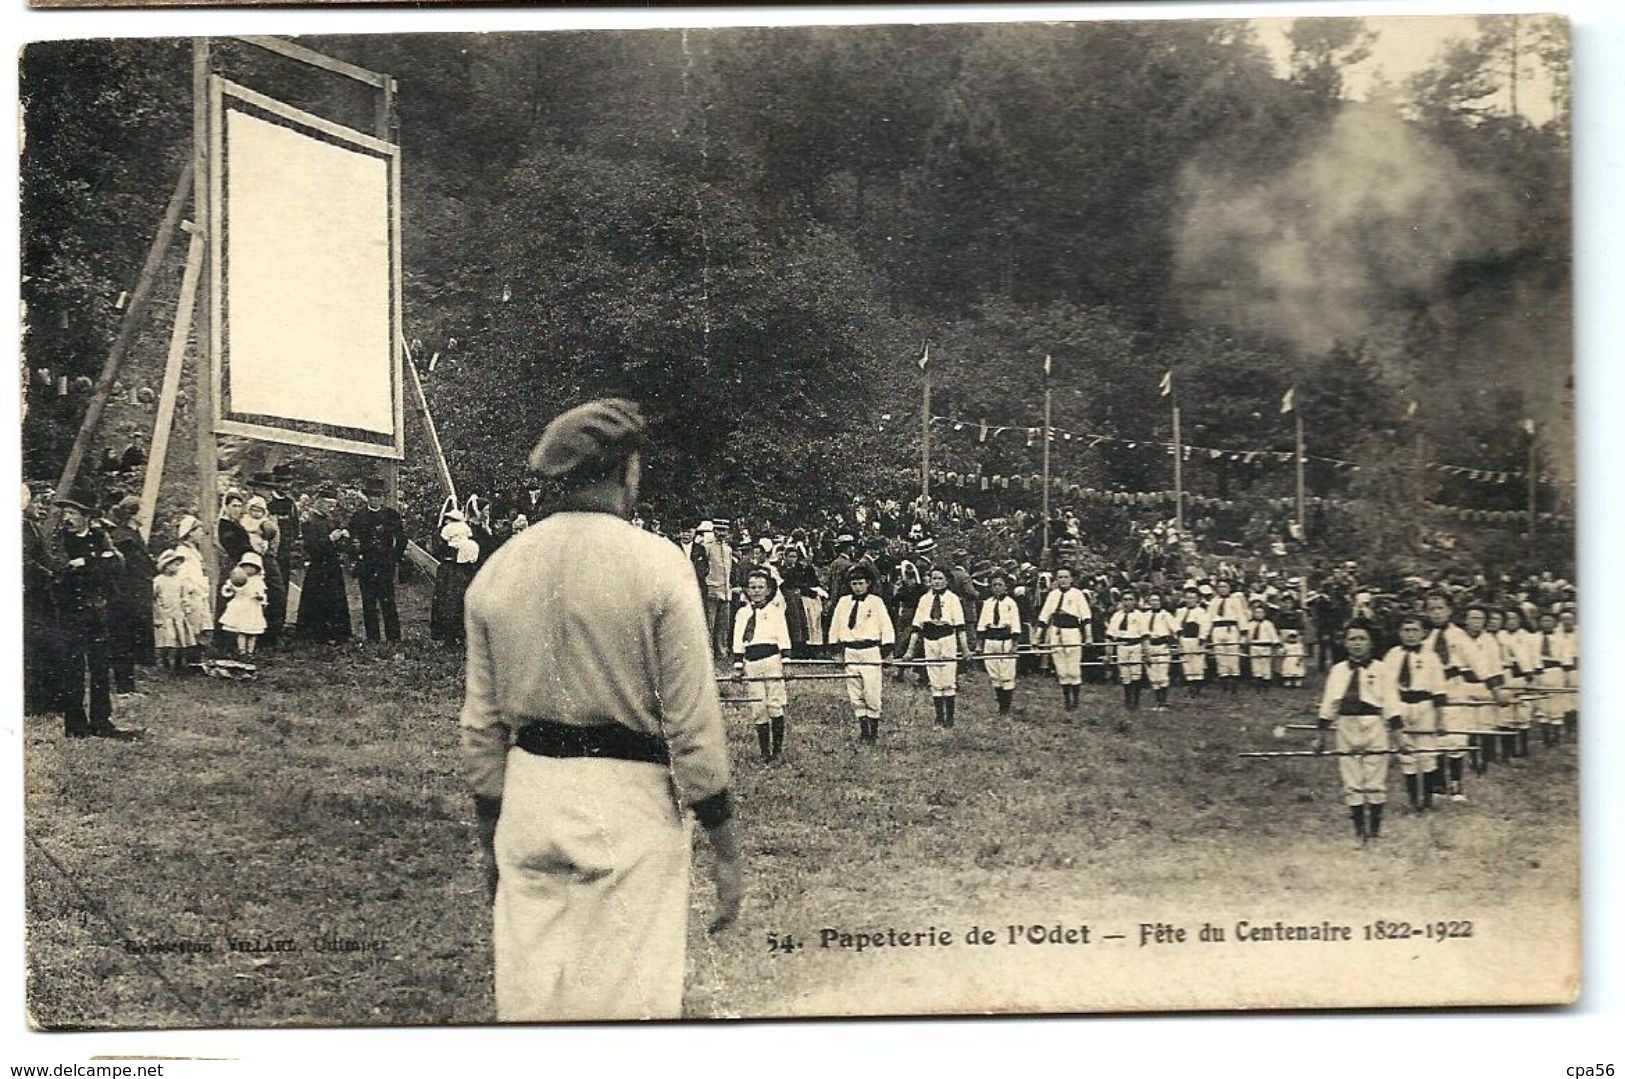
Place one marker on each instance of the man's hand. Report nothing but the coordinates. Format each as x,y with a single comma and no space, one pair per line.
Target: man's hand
728,874
486,812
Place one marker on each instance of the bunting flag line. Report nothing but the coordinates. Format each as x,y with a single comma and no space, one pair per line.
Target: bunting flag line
978,480
1216,453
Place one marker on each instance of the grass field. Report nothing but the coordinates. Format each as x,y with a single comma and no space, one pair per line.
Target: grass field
323,803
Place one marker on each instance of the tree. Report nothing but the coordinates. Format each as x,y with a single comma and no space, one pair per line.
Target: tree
1322,49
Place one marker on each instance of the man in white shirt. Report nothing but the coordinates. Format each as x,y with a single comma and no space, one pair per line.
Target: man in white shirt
1420,682
1192,622
861,626
1227,617
999,628
1361,703
1063,623
1126,632
590,728
761,638
939,626
1161,638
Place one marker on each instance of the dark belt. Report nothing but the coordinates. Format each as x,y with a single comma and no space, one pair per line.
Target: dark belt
1066,621
1221,622
611,741
760,651
1415,696
1362,708
862,644
1191,630
1471,679
997,633
936,631
1162,640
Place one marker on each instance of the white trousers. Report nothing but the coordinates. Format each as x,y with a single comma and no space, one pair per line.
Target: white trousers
1156,665
1227,651
767,699
1421,716
863,681
1193,658
591,915
1068,644
943,674
1001,672
1365,779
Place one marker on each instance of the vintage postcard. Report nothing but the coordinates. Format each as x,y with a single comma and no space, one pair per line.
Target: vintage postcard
1039,517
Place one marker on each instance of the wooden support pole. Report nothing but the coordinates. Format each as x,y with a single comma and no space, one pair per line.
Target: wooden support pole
422,402
383,128
208,462
178,335
127,328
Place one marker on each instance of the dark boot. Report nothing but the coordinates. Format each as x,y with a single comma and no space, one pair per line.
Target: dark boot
1523,742
1357,815
948,711
1413,791
1162,699
1429,785
1128,695
1374,812
941,709
778,736
764,740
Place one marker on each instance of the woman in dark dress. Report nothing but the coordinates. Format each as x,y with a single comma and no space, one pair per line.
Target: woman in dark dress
231,543
129,603
324,605
459,556
798,580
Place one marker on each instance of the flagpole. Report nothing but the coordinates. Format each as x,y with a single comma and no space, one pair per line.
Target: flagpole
1179,469
1046,552
1297,425
925,442
1530,470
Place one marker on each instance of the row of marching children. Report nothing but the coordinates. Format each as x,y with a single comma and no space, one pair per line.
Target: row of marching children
1147,644
1453,693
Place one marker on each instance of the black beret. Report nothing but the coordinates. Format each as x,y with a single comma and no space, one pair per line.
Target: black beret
582,434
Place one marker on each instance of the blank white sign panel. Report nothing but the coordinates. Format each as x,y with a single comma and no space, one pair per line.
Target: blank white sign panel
307,258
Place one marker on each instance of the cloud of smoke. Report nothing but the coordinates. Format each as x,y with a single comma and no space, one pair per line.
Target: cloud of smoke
1363,226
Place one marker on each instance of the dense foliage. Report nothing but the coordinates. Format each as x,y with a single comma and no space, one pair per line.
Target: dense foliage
754,230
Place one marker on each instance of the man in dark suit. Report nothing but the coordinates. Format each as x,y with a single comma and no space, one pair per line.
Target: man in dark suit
380,538
87,570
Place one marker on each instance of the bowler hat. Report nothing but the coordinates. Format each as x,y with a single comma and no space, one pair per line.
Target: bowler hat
80,498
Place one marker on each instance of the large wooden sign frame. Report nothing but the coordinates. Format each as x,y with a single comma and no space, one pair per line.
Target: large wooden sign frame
227,99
